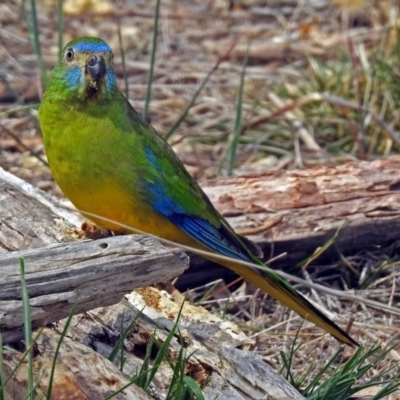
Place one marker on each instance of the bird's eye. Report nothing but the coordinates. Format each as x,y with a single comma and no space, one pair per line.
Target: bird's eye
69,55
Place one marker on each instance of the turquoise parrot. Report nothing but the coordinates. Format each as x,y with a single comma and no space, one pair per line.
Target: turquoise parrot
111,163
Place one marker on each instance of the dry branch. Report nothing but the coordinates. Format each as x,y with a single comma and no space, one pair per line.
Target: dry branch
91,274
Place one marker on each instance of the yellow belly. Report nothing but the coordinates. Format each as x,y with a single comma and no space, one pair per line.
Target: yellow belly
115,207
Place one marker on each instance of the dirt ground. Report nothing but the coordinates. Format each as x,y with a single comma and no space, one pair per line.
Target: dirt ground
279,37
193,37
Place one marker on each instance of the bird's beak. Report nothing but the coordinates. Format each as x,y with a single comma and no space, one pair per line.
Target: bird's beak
96,68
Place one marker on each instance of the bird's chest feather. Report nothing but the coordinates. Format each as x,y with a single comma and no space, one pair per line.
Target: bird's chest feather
94,161
83,148
101,165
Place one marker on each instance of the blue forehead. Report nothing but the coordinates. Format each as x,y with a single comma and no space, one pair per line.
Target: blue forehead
92,47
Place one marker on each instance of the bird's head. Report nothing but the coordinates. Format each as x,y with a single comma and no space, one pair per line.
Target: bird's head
85,70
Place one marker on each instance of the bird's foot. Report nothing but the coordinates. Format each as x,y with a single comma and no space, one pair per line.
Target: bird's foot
92,231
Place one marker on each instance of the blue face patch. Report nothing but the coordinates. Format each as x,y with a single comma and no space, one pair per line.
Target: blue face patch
74,77
110,80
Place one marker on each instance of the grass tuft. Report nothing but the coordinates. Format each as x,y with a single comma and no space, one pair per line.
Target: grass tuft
338,380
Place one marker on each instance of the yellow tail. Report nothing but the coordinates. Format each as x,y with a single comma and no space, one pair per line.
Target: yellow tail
280,290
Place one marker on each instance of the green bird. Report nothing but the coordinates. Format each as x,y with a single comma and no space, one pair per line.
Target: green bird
111,163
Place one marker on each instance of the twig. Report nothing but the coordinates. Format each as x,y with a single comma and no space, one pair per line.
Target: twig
337,101
308,140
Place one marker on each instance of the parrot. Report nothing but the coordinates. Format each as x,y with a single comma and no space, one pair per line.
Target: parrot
111,163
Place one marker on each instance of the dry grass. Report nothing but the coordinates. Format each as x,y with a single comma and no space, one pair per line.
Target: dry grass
298,52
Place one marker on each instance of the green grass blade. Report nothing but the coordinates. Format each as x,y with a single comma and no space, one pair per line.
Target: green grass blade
19,100
122,359
182,386
164,348
317,378
198,91
176,386
207,293
238,121
121,47
144,380
391,386
34,33
23,145
11,90
21,108
158,360
62,336
134,381
341,384
27,328
194,387
292,352
194,98
119,346
24,355
152,60
60,24
188,107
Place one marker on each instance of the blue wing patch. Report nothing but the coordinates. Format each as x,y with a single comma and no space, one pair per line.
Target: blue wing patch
218,239
201,230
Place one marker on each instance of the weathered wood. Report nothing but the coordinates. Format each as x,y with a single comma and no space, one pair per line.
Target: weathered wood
309,207
314,203
29,218
361,200
91,274
224,370
219,354
220,360
81,373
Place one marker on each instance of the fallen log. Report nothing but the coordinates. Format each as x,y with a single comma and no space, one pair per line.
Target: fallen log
292,212
296,212
29,218
91,274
